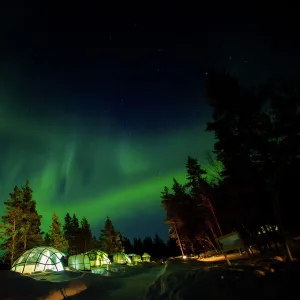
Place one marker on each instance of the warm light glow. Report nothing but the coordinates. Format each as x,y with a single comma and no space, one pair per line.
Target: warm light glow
121,258
39,259
184,257
79,262
98,258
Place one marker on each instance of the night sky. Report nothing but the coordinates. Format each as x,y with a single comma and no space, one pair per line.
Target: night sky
100,111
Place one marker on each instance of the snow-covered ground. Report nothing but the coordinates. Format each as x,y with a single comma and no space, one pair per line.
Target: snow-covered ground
192,279
178,279
122,282
233,256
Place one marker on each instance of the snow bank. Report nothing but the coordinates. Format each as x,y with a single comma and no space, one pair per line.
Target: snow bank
193,279
80,285
47,286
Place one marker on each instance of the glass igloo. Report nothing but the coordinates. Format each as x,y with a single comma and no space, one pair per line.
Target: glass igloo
39,259
121,258
98,258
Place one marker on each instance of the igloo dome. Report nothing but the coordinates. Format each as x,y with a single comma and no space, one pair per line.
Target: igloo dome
39,259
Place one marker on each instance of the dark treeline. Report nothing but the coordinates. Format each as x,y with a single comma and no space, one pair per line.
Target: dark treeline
255,168
20,231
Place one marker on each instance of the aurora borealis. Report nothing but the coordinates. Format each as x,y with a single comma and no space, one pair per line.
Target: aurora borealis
95,174
100,114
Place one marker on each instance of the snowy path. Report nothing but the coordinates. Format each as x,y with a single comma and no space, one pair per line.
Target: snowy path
131,287
135,286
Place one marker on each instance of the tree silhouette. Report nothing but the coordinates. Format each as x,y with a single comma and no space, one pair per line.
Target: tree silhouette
86,237
20,228
110,238
257,141
57,240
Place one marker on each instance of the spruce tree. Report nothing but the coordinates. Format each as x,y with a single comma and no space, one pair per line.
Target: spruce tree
11,226
47,239
67,229
31,234
21,223
128,248
110,238
138,246
86,240
75,235
159,246
96,244
67,225
148,245
57,240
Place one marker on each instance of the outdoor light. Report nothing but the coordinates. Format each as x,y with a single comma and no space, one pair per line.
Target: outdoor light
184,257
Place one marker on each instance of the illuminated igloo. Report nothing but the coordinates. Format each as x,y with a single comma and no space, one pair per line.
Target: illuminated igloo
135,258
87,261
146,257
80,262
98,258
39,259
121,258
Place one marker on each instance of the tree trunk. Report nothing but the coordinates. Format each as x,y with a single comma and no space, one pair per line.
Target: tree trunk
215,217
25,241
178,238
211,243
276,208
217,241
13,243
26,229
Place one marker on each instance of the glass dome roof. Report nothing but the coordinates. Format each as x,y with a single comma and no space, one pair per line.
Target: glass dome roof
39,259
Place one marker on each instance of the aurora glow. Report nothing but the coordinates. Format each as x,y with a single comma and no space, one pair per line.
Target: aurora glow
94,174
101,114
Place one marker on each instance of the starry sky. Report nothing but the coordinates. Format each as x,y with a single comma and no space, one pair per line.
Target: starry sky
100,111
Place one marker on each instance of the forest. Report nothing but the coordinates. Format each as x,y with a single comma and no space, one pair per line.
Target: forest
249,187
20,231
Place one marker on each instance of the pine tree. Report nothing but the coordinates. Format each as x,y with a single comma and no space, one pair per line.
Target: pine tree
21,224
47,239
183,216
67,226
31,234
110,238
11,226
57,240
74,235
159,246
148,245
138,246
96,244
86,236
128,248
67,230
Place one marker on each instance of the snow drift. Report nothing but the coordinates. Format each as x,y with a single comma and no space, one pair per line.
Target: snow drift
243,280
47,286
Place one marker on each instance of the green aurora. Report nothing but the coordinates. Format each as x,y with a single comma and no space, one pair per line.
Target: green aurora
92,168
